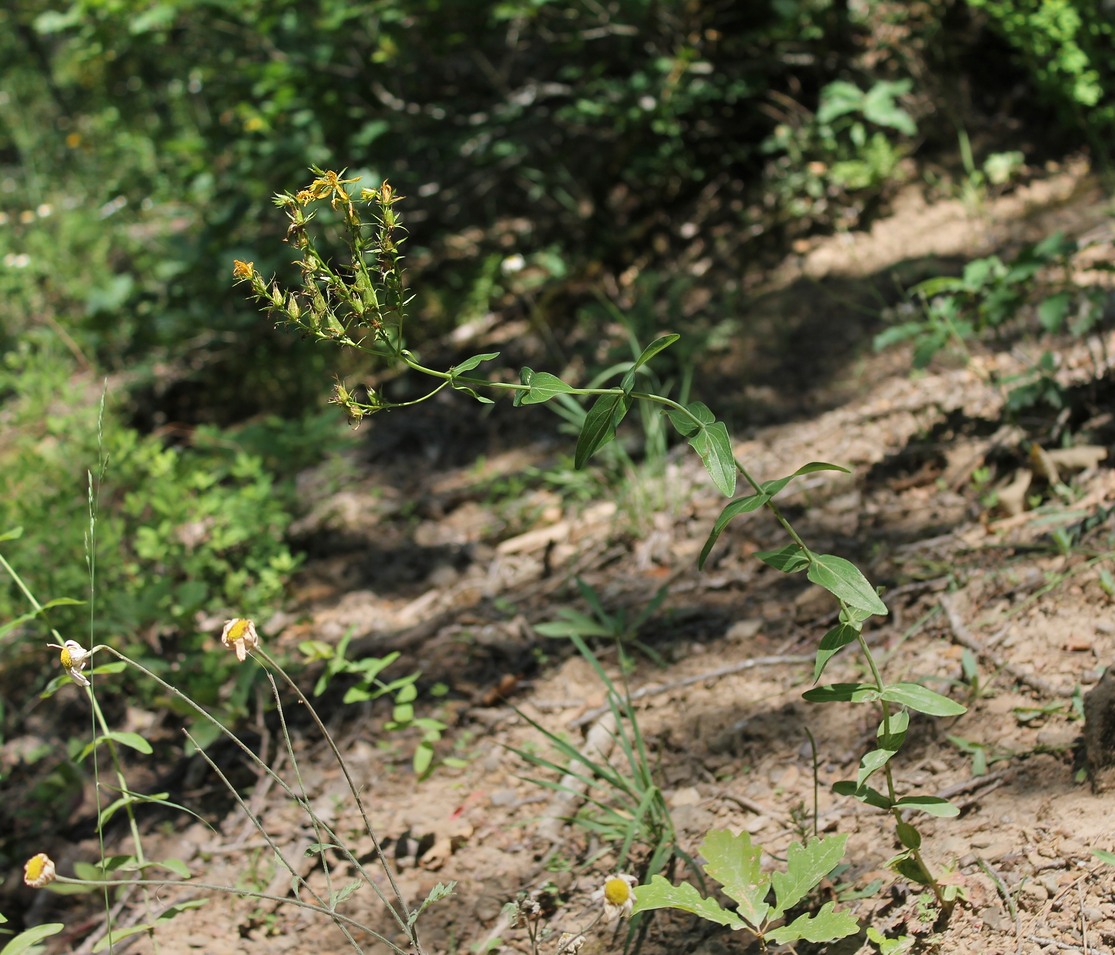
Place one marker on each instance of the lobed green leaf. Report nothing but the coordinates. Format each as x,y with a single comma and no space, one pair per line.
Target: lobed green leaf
825,925
660,894
805,867
734,862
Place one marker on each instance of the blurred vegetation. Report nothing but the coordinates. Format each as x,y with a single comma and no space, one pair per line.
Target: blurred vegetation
546,146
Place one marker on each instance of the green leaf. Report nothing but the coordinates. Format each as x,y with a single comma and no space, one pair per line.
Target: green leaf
683,424
659,344
872,762
1102,854
734,862
335,898
440,891
543,387
116,935
843,580
131,740
939,285
24,941
805,867
771,488
897,334
823,926
923,700
930,805
741,506
908,866
831,644
842,693
683,421
660,894
177,866
469,363
600,426
716,451
1052,311
865,794
789,559
709,438
908,835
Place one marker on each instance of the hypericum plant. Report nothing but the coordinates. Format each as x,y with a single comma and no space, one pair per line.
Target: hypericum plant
361,303
735,863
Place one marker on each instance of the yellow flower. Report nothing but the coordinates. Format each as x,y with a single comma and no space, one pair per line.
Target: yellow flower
240,635
618,895
38,871
242,271
331,184
73,657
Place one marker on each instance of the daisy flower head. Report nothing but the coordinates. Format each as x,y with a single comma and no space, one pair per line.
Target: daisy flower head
240,635
73,657
617,895
38,871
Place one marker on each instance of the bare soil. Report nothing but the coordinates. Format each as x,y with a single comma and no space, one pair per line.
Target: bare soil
421,541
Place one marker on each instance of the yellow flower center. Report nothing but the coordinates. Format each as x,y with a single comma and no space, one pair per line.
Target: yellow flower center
66,659
237,630
616,891
35,866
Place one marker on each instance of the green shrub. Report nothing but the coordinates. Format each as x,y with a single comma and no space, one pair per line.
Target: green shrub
1066,46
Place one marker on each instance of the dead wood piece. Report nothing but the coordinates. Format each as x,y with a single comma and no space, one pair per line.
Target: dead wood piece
573,786
1099,732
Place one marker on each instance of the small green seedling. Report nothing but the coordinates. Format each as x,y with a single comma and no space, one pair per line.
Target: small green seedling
735,863
890,946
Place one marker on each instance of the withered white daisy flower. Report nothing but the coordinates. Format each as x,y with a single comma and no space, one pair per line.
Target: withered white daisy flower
73,657
240,635
38,871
